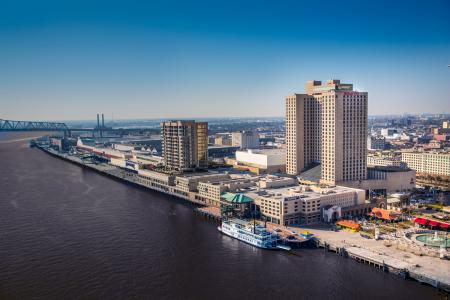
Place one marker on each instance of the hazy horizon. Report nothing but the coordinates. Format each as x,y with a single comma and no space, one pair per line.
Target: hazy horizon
108,119
166,59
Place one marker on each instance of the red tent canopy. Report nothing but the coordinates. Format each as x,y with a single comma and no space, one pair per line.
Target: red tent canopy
434,223
421,221
431,223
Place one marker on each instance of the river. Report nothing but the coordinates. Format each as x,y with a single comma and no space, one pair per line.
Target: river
68,232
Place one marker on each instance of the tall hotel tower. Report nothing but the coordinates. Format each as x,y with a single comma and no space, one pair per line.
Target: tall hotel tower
327,126
185,145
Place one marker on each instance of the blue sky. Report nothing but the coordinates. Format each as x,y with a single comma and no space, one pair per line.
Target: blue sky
64,60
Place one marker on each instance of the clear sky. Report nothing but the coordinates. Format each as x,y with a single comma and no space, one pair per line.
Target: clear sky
68,60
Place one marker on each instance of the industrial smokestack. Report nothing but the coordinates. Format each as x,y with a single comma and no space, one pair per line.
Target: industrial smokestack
103,120
98,120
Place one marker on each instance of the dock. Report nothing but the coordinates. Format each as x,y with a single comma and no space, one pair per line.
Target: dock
209,212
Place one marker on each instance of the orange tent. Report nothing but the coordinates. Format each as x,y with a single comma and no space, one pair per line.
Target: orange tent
384,214
349,224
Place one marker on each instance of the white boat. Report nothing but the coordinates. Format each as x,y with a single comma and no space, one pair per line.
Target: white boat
252,234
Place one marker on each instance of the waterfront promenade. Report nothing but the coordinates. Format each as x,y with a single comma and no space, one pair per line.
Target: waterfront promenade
430,270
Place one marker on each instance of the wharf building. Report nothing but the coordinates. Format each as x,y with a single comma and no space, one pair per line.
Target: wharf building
203,188
278,199
245,139
90,145
328,126
185,145
130,157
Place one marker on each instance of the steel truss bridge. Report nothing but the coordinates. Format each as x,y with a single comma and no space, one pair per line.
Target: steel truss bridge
9,125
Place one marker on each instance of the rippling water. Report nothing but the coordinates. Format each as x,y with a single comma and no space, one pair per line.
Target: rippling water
66,232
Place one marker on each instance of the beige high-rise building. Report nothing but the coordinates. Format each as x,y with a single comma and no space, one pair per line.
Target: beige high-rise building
446,125
185,145
327,125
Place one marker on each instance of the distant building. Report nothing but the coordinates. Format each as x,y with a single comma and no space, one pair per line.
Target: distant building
63,144
433,144
376,143
222,141
185,145
245,139
405,137
427,162
327,125
221,151
384,161
442,137
388,132
126,147
437,131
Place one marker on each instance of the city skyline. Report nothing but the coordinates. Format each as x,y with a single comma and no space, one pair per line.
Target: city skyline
225,149
157,60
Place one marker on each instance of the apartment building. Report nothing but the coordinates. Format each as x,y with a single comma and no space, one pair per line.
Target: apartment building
433,163
185,145
327,125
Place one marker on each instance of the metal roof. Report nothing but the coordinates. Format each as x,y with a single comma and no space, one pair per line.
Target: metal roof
236,198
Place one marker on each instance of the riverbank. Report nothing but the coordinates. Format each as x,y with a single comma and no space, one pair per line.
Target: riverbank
423,269
113,172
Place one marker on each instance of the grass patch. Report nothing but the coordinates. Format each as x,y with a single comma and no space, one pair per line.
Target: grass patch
435,206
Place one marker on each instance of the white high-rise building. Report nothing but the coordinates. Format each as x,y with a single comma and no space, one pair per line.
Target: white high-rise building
327,125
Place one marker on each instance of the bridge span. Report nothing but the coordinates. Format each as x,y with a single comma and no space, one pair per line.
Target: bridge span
10,125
